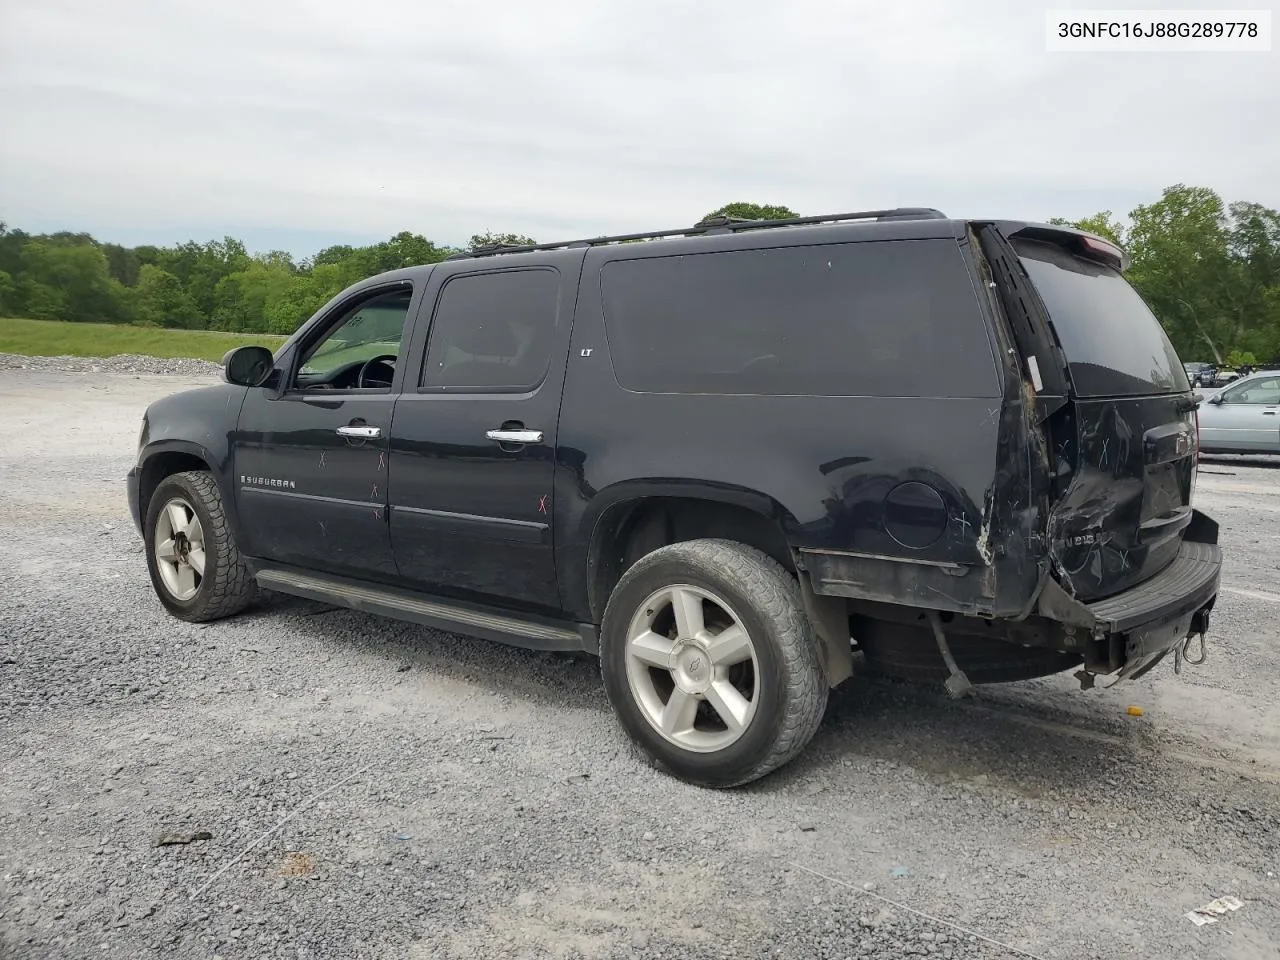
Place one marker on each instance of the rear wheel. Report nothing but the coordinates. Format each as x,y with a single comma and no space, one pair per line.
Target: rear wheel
195,566
709,661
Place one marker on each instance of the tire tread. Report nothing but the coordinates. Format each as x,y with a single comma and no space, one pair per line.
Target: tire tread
234,587
776,595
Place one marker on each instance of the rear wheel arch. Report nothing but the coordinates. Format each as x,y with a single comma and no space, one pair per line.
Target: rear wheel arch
632,527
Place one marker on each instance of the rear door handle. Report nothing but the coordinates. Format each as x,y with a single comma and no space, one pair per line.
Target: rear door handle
362,433
515,436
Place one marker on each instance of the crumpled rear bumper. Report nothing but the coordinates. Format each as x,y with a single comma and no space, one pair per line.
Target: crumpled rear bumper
1158,615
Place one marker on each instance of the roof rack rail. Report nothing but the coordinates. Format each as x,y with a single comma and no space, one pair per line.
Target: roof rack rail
718,224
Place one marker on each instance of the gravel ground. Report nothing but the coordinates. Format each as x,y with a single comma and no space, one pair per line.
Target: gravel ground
121,363
380,790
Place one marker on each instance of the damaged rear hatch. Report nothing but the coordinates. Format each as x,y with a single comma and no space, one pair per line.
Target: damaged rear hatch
1125,444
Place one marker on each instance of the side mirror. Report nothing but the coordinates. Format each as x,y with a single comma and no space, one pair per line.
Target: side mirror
248,366
1216,399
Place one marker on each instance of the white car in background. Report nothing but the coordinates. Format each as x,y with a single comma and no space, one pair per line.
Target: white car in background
1243,417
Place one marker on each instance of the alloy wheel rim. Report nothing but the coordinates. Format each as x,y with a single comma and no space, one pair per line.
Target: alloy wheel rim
692,668
179,549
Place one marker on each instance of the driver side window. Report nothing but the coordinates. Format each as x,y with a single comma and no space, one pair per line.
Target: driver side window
1265,391
360,348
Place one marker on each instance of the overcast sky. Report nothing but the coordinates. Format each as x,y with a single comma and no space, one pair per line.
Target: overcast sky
295,125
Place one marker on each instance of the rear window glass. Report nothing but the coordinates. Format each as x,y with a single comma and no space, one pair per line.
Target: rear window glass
887,319
1114,344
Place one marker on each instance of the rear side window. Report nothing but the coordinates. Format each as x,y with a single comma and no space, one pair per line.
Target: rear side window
493,332
886,319
1114,344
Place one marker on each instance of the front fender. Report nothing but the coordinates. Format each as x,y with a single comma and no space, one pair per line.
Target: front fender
183,430
164,458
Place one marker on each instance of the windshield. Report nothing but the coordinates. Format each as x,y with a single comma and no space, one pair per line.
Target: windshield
1114,344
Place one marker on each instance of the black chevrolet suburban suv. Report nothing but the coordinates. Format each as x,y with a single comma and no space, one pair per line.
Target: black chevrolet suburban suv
725,458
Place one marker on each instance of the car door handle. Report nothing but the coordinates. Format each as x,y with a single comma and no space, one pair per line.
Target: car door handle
362,433
515,436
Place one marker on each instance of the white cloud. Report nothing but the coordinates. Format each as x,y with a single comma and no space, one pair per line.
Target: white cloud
569,118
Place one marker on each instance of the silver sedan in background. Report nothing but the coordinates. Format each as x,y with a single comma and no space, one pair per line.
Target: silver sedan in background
1243,417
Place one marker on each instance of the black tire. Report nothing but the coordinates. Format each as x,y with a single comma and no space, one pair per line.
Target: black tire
790,690
227,587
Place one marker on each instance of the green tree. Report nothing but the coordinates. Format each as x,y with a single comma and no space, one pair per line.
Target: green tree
122,263
1100,224
242,299
160,299
76,272
8,295
753,211
11,244
280,259
303,296
330,255
1182,266
1254,240
1210,271
200,267
405,250
489,239
1238,358
42,302
69,238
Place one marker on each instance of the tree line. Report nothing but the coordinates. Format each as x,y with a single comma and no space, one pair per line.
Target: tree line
1209,269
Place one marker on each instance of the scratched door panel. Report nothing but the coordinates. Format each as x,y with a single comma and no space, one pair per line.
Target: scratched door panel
309,496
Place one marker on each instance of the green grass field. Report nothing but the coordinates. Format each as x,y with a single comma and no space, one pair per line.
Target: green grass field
50,338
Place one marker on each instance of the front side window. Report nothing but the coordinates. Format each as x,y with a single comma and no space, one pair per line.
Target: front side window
1265,391
360,350
493,332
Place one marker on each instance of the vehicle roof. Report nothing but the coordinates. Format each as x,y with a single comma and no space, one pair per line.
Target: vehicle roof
793,236
724,233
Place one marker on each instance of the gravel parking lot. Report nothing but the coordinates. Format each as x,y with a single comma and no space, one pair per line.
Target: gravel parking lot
379,790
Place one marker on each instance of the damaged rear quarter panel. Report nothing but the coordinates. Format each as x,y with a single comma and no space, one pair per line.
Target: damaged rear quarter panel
998,552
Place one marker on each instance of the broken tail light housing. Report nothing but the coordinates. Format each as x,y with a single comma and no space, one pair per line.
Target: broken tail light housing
1195,449
1196,434
1104,252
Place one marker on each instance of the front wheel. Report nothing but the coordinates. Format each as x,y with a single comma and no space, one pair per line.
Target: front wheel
709,661
195,566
